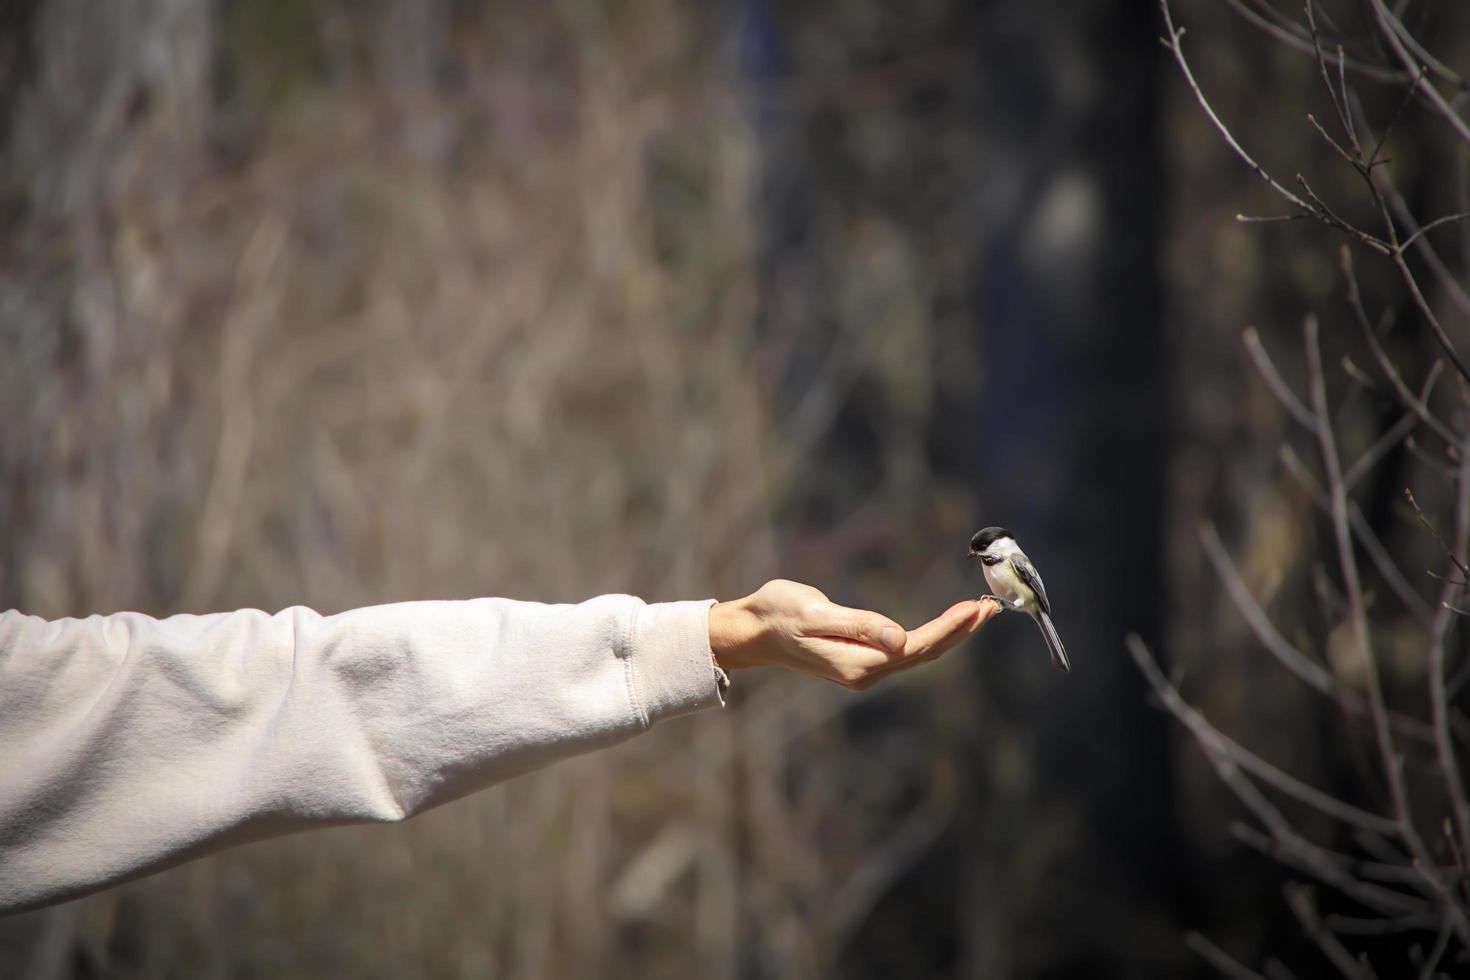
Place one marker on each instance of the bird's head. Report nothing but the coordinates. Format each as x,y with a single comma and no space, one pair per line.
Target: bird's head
984,539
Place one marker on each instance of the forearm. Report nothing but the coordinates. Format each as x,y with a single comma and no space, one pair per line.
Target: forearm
129,743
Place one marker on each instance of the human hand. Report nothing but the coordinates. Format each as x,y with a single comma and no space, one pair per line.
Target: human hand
787,624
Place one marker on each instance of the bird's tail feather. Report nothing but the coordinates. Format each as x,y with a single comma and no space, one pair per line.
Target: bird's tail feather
1053,642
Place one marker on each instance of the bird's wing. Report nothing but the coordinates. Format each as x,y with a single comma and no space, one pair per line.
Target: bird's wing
1027,573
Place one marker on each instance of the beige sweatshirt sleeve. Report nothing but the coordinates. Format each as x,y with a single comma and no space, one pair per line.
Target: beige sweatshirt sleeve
128,744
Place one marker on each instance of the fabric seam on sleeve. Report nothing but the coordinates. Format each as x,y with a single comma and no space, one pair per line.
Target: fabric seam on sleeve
635,696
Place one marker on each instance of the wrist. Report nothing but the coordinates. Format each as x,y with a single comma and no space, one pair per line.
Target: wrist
735,634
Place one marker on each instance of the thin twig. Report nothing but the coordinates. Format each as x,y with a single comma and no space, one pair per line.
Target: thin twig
1341,107
1381,447
1441,943
1353,589
1260,623
1351,369
1299,900
1349,925
1172,43
1435,326
1222,961
1395,434
1251,337
1462,198
1327,137
1390,27
1421,53
1343,95
1294,855
1368,538
1459,855
1396,873
1380,847
1223,748
1446,219
1278,646
1426,248
1277,970
1266,219
1438,654
1395,251
1324,212
1443,544
1393,120
1385,364
1434,463
1298,43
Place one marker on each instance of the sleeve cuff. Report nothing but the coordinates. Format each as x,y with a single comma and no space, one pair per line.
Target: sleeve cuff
674,672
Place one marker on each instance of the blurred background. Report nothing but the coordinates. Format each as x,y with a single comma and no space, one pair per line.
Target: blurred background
332,303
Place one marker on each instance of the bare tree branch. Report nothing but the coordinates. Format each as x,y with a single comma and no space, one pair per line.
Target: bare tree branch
1234,756
1352,587
1338,97
1441,943
1391,439
1267,369
1299,899
1419,233
1294,39
1279,647
1403,857
1172,43
1438,669
1222,961
1414,404
1365,535
1404,43
1425,248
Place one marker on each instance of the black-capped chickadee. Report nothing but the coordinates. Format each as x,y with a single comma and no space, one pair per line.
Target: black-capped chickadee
1017,585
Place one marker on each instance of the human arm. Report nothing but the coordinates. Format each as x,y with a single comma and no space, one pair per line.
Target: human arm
129,744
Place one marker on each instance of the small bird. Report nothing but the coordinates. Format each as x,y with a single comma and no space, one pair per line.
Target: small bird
1017,584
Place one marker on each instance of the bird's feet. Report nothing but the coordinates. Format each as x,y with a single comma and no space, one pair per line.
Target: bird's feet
997,600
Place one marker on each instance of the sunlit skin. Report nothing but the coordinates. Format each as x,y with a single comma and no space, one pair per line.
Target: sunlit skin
788,624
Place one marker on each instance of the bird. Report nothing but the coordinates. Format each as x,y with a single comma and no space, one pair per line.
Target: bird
1017,585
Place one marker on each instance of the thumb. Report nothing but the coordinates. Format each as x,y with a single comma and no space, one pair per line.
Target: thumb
861,625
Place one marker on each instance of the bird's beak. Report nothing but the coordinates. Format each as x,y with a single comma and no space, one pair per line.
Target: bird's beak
972,553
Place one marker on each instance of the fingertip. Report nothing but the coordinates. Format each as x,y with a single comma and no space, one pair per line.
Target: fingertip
983,613
893,638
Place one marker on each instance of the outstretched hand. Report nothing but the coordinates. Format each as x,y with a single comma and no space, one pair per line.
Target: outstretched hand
787,624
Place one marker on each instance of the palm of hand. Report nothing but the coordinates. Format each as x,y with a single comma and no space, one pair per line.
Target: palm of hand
788,624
